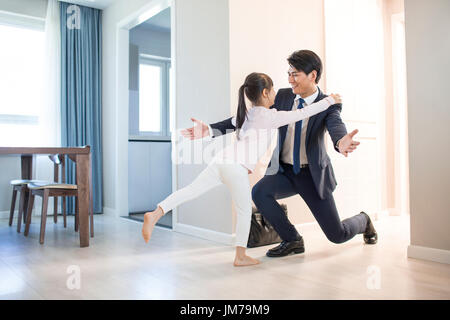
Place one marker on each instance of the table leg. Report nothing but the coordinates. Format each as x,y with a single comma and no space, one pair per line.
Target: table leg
83,169
91,209
27,173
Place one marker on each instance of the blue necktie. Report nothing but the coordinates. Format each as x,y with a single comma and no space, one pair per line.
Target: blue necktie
297,135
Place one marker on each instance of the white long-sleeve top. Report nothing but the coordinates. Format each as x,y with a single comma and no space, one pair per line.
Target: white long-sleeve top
259,131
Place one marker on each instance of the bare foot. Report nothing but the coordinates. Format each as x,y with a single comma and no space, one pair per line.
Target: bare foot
245,261
150,219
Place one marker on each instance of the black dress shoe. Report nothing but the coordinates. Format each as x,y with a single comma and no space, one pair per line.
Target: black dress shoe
287,247
370,235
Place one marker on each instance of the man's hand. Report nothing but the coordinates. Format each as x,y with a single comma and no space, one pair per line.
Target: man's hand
198,131
346,145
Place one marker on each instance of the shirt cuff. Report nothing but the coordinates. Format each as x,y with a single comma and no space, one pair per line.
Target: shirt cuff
210,131
331,100
336,146
208,138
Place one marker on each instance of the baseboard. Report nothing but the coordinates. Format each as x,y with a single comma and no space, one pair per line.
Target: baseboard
220,237
430,254
5,214
110,212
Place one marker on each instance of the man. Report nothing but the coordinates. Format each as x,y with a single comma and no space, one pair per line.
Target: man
305,168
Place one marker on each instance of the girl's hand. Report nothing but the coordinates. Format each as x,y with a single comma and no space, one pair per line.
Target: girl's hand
336,97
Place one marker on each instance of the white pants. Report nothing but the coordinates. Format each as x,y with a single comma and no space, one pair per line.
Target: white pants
235,177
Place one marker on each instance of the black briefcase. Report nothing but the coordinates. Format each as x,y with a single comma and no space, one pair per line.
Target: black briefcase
261,231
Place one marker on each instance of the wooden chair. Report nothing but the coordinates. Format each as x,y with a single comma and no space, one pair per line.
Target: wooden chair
47,190
59,160
21,186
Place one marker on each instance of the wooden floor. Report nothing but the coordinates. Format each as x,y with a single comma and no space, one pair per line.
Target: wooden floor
119,265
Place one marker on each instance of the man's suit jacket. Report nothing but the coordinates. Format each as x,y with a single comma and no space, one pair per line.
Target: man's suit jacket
318,159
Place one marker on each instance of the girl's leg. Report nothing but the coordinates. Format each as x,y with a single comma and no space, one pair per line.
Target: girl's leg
235,177
206,180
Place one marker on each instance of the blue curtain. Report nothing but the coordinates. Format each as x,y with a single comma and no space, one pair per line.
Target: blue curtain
81,90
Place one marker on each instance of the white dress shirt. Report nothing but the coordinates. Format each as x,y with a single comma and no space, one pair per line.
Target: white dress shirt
260,129
287,151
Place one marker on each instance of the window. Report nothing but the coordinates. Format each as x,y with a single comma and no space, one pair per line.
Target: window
154,97
150,98
21,82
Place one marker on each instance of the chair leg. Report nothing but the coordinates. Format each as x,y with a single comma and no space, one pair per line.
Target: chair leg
25,205
92,222
43,216
21,204
76,214
55,210
13,205
29,210
64,212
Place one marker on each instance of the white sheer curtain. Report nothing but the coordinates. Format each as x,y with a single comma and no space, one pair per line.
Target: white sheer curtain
30,79
50,113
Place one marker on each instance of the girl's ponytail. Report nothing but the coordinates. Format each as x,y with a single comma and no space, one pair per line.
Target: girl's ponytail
253,87
241,110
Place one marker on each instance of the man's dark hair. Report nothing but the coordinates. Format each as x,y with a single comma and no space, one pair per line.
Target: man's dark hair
306,61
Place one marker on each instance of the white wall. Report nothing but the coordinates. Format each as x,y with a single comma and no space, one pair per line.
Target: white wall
428,65
203,92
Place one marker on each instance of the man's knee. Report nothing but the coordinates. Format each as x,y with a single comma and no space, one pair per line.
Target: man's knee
258,193
335,237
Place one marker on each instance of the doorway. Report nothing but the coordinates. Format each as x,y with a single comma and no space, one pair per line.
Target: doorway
145,109
149,141
401,162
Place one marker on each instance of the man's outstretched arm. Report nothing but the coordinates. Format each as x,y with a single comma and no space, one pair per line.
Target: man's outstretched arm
201,130
343,142
223,127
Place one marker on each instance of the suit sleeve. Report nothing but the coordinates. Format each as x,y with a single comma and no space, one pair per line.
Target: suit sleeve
333,121
222,127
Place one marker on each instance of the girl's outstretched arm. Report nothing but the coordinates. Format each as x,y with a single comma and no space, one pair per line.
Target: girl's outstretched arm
282,118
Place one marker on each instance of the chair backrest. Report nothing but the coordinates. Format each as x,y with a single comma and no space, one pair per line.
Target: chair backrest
58,160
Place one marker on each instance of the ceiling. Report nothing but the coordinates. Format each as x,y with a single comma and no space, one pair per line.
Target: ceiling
98,4
160,22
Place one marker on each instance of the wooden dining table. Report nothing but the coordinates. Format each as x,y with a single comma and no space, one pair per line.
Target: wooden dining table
82,158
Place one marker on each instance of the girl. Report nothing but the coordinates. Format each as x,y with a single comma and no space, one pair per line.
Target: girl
255,130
